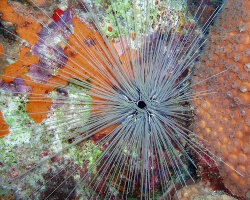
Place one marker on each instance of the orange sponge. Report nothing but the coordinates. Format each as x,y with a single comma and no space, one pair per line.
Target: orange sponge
1,50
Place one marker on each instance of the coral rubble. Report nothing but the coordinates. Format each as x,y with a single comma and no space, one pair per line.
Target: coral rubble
199,191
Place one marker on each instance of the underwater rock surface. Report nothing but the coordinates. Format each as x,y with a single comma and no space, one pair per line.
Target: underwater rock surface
200,192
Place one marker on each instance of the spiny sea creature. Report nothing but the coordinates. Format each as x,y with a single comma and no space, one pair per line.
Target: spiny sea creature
111,117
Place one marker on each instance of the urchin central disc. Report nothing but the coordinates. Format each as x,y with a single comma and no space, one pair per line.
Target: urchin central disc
141,104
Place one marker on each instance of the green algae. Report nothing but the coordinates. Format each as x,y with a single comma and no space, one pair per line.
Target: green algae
126,14
28,140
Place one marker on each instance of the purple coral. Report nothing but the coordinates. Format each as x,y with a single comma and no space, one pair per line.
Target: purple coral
48,49
16,86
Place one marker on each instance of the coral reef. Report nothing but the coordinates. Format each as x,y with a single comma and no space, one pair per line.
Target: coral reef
222,116
66,67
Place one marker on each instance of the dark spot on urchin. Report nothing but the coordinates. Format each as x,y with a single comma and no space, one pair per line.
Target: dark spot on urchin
70,140
53,181
141,104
